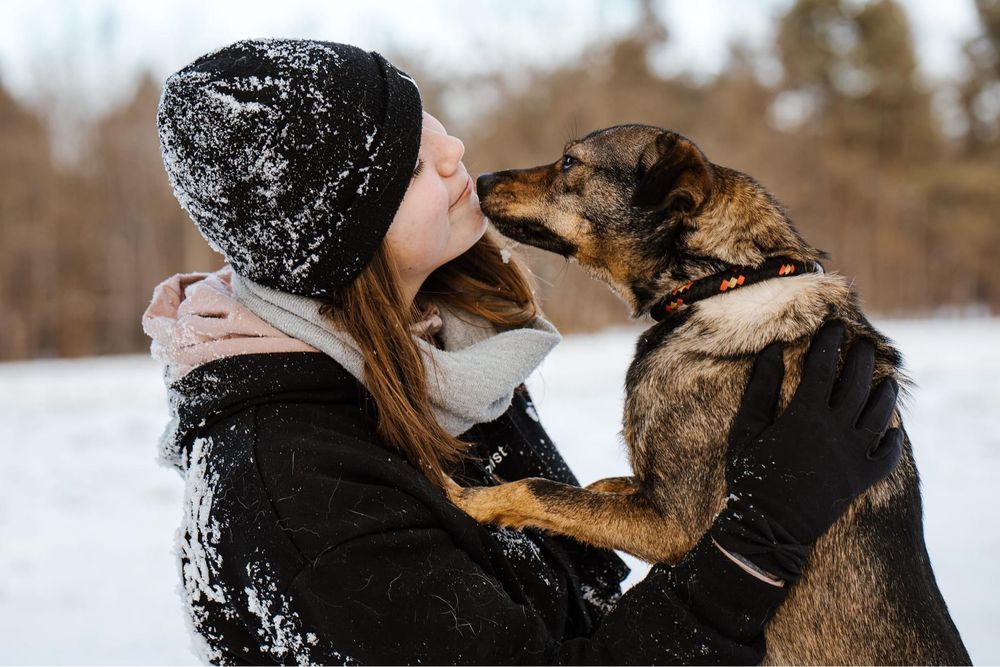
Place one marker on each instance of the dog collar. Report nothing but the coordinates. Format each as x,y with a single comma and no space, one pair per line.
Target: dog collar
726,281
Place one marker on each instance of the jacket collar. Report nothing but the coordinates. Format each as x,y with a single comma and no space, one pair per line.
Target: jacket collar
217,389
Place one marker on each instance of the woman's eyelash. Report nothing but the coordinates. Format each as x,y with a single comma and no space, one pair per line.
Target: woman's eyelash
418,168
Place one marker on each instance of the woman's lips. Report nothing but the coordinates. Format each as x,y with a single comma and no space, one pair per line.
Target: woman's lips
465,193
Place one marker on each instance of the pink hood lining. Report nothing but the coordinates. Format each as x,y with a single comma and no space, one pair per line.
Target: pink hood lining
193,318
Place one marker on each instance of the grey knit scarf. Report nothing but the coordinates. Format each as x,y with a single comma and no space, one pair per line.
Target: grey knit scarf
470,381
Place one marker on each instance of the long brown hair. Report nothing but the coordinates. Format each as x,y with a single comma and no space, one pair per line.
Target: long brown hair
370,308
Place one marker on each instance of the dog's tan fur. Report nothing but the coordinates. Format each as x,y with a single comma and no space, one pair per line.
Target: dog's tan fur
644,210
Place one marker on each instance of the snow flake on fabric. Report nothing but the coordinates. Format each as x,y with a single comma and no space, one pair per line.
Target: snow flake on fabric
180,399
280,631
598,598
199,558
516,544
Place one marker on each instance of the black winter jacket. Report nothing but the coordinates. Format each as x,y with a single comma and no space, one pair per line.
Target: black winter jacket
306,540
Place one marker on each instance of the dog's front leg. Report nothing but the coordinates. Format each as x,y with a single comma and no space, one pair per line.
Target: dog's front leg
614,485
626,521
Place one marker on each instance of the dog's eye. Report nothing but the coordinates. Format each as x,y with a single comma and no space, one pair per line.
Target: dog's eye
567,162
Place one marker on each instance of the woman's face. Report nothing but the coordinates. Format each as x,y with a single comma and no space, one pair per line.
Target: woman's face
439,217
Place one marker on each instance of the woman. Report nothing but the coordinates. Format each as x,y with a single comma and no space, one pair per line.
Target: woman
366,342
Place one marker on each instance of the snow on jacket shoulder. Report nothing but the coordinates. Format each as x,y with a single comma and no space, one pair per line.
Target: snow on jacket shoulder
305,540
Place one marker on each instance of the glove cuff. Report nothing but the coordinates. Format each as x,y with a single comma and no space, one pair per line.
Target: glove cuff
722,593
744,530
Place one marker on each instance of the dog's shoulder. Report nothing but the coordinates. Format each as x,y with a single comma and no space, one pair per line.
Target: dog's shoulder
788,310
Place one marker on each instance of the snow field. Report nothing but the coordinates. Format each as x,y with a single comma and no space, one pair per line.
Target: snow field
87,516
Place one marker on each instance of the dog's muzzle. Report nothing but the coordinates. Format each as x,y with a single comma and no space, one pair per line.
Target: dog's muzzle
485,183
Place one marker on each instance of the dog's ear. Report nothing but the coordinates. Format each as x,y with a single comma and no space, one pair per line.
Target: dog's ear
673,175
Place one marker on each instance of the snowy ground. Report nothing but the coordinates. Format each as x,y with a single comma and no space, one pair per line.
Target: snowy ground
87,516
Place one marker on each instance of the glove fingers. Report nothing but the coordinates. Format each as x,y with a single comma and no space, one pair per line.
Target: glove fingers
760,398
885,455
820,365
854,384
875,417
890,444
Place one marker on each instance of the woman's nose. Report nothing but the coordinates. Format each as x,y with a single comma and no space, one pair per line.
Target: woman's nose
458,146
451,150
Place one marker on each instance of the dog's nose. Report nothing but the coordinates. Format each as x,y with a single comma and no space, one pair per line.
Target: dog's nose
485,182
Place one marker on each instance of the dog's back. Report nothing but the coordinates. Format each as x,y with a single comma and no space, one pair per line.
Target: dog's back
868,594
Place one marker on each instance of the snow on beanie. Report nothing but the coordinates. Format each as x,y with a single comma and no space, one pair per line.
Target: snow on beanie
291,156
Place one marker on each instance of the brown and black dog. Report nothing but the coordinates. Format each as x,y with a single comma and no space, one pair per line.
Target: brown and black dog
644,210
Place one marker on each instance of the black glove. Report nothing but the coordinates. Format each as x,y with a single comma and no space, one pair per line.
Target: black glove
789,480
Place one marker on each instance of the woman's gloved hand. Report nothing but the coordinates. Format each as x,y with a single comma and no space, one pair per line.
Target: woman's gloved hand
789,478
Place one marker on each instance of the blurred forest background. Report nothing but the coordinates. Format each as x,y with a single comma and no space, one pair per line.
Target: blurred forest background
850,137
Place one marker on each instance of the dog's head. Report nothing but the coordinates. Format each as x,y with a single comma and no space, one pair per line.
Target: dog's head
641,208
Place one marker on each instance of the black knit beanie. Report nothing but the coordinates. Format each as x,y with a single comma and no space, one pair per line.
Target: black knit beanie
291,156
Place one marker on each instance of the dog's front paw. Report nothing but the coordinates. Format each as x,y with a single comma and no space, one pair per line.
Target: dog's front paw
503,505
474,501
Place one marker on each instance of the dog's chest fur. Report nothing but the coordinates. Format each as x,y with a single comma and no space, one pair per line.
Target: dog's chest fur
687,378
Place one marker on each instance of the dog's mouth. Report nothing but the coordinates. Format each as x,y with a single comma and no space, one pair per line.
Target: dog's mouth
495,201
533,233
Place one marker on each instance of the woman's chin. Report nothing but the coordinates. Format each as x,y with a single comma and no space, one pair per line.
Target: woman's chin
473,221
483,223
471,234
